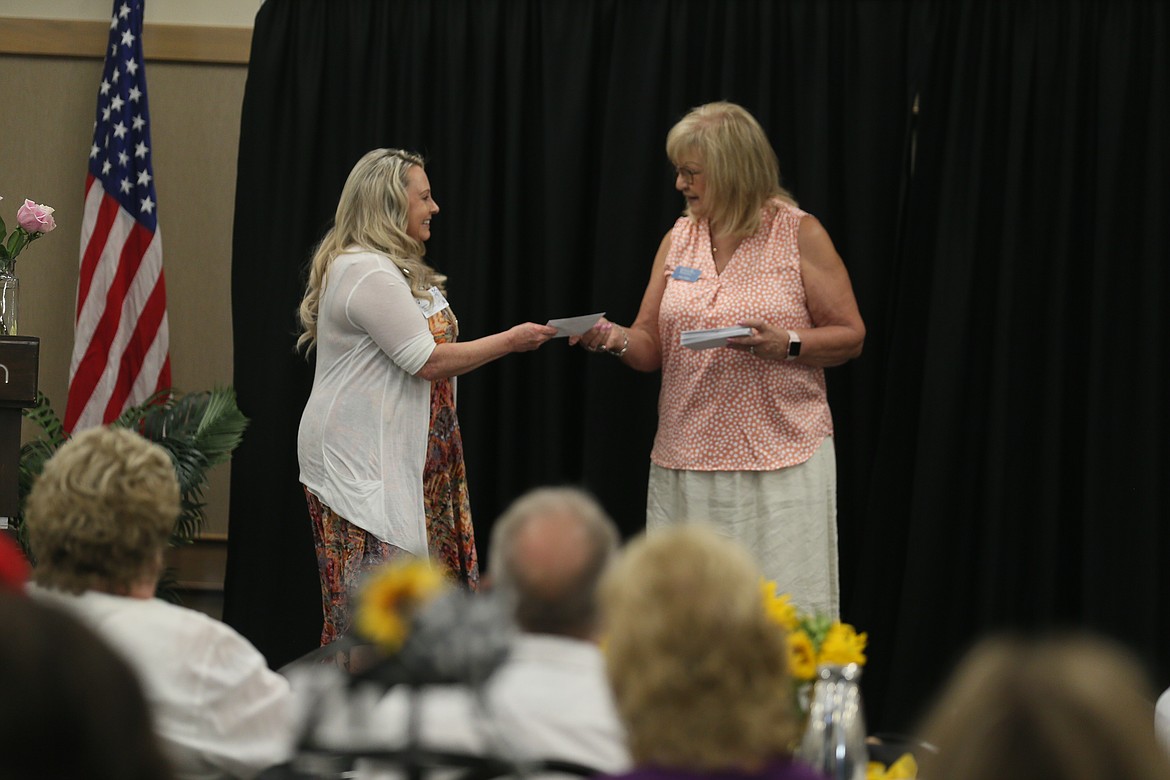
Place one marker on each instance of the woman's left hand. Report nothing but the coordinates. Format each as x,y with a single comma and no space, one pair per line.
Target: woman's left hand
768,341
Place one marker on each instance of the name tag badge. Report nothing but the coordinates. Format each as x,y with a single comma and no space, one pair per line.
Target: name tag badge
685,274
435,305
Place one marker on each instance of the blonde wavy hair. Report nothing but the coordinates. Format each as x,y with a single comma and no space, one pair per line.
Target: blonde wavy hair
1064,708
100,514
371,215
699,672
740,166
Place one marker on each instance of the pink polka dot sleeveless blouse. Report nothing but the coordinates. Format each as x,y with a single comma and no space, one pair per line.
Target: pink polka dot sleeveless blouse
724,409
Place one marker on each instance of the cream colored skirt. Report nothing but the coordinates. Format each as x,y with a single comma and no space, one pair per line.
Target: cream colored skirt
787,518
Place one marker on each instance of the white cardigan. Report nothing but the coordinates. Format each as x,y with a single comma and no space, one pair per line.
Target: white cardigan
362,441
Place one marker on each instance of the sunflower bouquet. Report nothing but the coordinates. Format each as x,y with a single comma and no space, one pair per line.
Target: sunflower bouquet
391,598
813,639
425,631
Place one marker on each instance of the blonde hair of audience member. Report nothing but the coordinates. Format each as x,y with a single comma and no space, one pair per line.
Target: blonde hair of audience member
1072,708
72,707
699,671
740,166
372,214
548,552
100,514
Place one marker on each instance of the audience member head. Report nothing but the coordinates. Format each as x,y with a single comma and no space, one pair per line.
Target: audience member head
1071,708
699,671
13,566
548,552
738,165
100,514
70,706
373,213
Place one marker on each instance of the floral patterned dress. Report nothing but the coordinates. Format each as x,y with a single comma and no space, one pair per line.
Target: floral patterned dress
450,536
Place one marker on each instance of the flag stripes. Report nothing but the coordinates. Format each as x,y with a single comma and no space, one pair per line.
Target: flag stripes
121,348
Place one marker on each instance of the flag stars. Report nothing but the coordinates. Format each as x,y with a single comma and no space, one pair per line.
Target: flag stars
119,149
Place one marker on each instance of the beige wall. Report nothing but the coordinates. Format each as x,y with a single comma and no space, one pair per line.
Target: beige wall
44,141
229,13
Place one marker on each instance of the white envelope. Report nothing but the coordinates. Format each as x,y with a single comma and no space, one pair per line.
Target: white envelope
575,326
713,337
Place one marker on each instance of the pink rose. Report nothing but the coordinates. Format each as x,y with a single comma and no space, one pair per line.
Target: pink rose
35,217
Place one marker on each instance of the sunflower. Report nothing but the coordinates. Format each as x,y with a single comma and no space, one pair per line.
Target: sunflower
843,645
390,598
905,768
802,656
779,607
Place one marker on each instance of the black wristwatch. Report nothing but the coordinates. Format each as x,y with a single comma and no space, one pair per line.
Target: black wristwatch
793,345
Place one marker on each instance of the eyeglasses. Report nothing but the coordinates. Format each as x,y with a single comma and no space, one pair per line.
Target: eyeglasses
688,174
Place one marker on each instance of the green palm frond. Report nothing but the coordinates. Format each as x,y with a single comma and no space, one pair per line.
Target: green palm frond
209,420
42,414
198,431
222,426
190,520
134,415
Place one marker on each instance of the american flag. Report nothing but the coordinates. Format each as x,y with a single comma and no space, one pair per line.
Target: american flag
121,346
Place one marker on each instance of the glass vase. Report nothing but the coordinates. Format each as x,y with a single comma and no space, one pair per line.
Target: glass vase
834,738
9,303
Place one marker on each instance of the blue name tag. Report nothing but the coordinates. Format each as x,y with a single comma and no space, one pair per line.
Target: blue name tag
683,273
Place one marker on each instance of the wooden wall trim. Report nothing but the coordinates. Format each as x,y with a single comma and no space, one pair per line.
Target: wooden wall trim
161,42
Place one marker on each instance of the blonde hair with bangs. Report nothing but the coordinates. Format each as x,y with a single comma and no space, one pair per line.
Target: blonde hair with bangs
699,672
372,214
740,166
100,514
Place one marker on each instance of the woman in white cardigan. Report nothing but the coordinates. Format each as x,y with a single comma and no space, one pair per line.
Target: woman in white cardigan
379,446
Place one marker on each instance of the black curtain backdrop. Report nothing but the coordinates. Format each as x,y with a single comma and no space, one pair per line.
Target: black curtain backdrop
993,174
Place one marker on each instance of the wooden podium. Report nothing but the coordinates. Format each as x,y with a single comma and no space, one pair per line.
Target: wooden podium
19,366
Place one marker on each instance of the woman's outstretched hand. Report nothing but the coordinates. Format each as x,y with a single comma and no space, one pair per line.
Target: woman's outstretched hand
528,336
